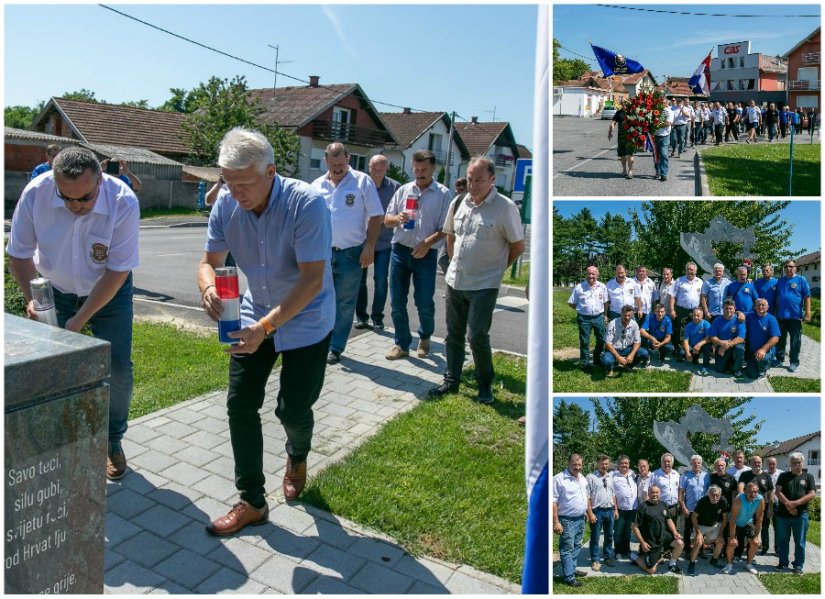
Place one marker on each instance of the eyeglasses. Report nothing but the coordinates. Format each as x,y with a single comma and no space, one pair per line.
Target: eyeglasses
87,198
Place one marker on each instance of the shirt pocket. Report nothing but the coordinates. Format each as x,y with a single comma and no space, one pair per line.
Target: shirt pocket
459,224
97,252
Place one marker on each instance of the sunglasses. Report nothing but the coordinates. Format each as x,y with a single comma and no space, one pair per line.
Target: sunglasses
87,198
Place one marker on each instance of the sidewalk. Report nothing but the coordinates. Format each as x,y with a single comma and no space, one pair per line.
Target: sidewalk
181,478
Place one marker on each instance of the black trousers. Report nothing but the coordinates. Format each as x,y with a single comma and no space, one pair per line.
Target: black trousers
302,377
473,311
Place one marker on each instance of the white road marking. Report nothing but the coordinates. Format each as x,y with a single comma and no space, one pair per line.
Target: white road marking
581,163
178,254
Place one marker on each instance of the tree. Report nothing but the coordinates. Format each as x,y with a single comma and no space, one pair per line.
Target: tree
20,117
183,101
571,434
224,104
625,426
395,172
565,69
136,103
658,225
84,95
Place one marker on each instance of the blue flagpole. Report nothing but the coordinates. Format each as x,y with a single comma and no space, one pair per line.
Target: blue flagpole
790,168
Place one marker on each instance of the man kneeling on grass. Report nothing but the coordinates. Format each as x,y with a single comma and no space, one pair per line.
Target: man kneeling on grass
655,529
623,343
709,520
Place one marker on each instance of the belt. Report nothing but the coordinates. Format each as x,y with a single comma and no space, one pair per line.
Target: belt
571,517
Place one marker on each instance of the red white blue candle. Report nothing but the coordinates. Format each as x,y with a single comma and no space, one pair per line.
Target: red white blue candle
226,284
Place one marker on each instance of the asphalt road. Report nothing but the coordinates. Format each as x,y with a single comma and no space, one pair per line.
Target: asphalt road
585,164
166,289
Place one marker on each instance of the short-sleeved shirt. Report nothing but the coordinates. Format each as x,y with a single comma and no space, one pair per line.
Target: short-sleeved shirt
664,292
483,236
75,251
743,294
793,487
651,518
570,494
44,167
760,329
386,190
708,513
645,291
688,292
727,483
643,483
774,479
620,295
715,292
766,288
694,333
620,336
294,228
754,114
668,485
695,486
658,328
725,330
600,489
351,204
737,473
668,114
790,293
589,301
433,204
763,480
626,490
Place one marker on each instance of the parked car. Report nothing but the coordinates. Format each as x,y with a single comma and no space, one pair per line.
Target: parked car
608,114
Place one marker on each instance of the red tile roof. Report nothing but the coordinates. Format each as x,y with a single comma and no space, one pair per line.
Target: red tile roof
788,446
296,106
406,128
155,130
811,258
523,152
478,137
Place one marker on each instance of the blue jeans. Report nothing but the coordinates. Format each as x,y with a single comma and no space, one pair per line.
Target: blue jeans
784,527
346,275
622,531
570,544
597,326
609,360
380,279
604,518
792,327
664,350
681,132
662,142
756,368
704,351
771,131
403,268
112,323
735,355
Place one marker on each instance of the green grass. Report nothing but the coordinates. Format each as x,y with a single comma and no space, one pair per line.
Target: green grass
762,170
568,377
788,384
621,585
814,532
791,584
813,329
445,479
172,365
157,212
521,278
565,329
585,538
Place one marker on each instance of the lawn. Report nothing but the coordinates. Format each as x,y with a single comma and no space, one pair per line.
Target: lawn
788,384
445,479
565,329
791,584
813,329
520,280
762,170
621,585
814,532
160,212
568,377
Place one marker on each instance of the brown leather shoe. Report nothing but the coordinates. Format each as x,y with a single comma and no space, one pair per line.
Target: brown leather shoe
115,462
423,348
295,478
242,514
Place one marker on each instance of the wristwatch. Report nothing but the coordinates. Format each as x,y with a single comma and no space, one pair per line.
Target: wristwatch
268,328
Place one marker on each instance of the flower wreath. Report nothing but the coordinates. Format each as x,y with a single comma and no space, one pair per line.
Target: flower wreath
645,114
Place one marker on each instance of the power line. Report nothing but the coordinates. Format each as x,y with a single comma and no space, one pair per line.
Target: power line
704,14
249,62
586,58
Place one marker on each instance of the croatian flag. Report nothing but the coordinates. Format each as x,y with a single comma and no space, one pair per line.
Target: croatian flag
700,82
536,576
615,64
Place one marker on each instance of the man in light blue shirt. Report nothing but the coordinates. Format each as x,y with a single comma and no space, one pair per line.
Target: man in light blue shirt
693,485
279,231
713,292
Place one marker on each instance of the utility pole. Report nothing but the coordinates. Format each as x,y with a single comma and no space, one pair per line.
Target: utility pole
277,62
449,151
493,112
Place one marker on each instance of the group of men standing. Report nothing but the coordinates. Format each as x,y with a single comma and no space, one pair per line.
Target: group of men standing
743,324
669,513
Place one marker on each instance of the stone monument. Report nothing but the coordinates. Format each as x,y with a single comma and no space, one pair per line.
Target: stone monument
56,427
699,246
674,435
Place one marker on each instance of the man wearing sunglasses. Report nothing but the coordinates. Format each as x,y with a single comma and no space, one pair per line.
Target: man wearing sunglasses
793,307
79,228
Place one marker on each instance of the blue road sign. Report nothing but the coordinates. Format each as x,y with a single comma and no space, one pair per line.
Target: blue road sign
524,168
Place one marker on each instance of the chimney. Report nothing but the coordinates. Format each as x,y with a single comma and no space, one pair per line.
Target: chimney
407,110
313,80
474,120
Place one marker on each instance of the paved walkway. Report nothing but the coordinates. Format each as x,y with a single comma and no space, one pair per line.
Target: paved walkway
182,478
709,580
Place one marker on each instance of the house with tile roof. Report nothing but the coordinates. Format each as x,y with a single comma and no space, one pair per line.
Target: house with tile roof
321,114
496,141
809,445
415,131
810,267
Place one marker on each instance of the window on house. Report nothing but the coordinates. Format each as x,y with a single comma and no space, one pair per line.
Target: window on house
358,162
742,62
751,84
731,63
341,122
731,85
316,159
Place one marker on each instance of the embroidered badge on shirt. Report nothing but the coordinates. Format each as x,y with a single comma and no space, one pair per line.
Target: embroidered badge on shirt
793,285
350,199
746,290
99,253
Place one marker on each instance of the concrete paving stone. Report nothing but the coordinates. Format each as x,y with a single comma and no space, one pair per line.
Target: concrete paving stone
336,422
329,586
368,395
489,578
200,403
422,588
374,578
186,415
156,422
335,409
153,461
428,571
129,577
169,588
175,496
112,488
380,552
166,444
146,549
187,568
217,487
118,529
283,575
329,561
224,448
389,411
247,556
184,473
461,583
222,465
365,383
196,456
216,411
161,520
194,536
288,517
128,504
203,439
176,429
287,544
331,534
212,425
226,580
141,480
140,434
111,558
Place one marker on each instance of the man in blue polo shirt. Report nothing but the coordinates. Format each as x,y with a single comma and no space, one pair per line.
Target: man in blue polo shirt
52,150
728,337
656,333
792,293
713,292
766,286
696,341
742,291
763,335
693,485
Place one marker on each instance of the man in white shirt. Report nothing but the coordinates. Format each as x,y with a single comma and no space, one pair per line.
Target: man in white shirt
356,222
570,497
661,137
753,118
588,299
78,227
643,295
687,294
620,292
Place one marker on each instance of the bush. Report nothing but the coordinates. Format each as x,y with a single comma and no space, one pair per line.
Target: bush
13,301
814,509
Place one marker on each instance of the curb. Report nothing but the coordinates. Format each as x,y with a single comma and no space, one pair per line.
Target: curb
704,188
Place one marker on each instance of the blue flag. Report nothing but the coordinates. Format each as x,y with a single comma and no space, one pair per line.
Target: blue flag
615,64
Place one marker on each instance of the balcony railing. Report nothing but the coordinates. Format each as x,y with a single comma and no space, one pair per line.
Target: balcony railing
344,132
504,160
811,58
813,462
441,156
802,85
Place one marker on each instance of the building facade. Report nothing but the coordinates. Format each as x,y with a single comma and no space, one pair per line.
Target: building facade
810,267
804,63
739,75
